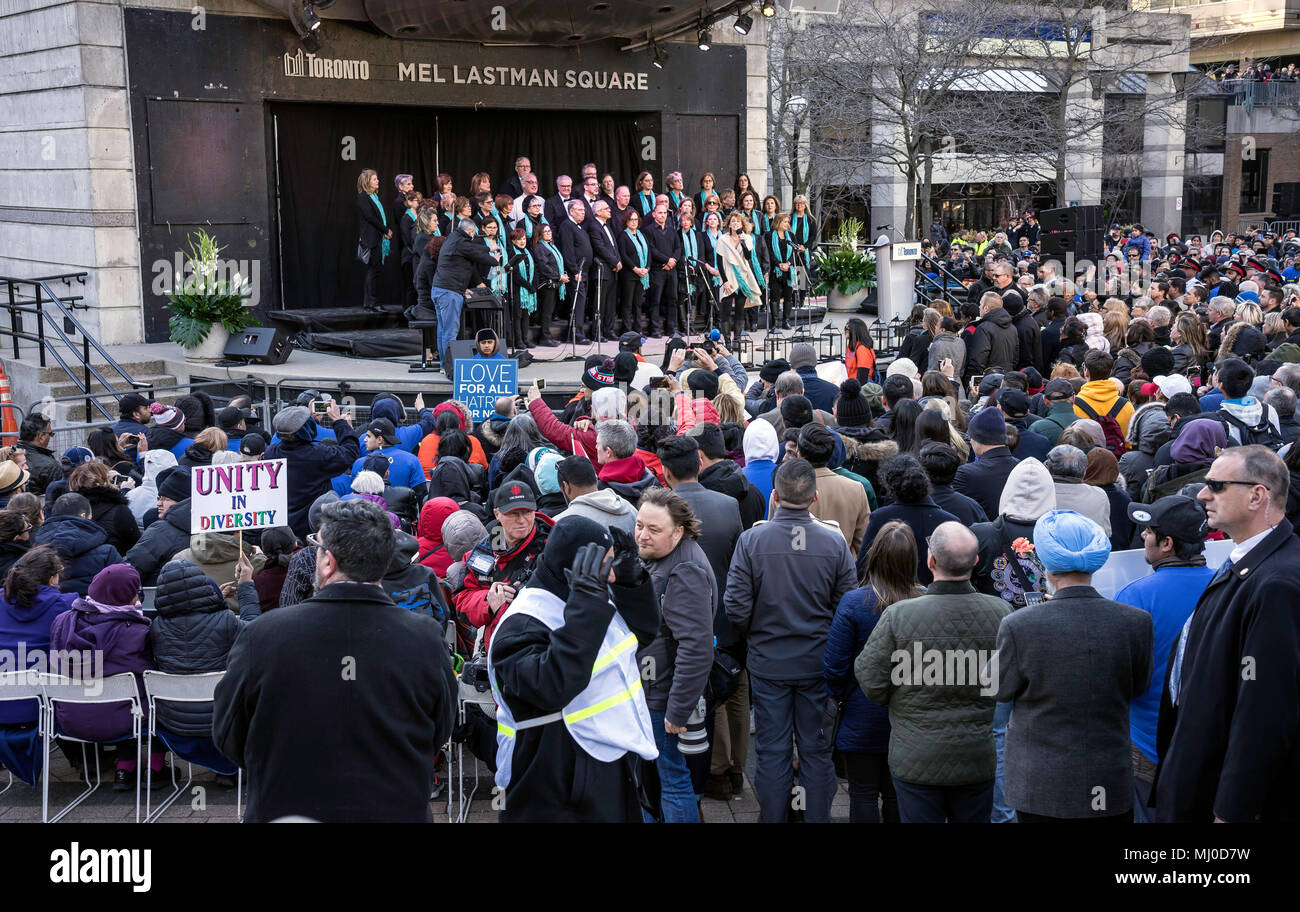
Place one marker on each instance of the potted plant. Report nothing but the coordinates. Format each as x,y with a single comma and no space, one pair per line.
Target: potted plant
207,308
845,273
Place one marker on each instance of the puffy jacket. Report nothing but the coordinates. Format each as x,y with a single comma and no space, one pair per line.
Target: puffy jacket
994,345
192,634
429,534
120,634
108,508
682,655
216,554
864,726
162,541
310,467
1149,428
939,735
728,478
82,544
30,627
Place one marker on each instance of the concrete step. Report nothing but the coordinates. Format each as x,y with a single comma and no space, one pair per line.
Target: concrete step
73,412
53,374
66,387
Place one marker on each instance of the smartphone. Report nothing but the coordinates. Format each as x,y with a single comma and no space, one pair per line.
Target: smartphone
541,383
1033,598
976,380
132,439
320,407
659,383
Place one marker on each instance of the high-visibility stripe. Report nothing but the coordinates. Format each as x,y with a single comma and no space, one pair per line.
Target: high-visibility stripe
617,650
503,729
609,702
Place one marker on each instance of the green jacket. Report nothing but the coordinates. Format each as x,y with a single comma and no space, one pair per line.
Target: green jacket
940,714
1059,417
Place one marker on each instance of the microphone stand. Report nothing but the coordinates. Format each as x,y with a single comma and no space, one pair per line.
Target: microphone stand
573,323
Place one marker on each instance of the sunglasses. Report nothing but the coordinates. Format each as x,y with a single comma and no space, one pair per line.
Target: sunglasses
1219,485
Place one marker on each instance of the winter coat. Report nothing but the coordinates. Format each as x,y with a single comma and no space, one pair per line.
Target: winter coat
310,467
433,552
821,393
783,600
216,554
604,506
1029,342
196,454
984,479
682,654
144,496
947,345
1059,417
121,635
10,552
1148,428
922,518
192,634
43,465
514,567
627,477
285,668
994,346
966,509
269,583
864,451
727,478
939,736
490,431
82,545
163,438
28,627
109,510
162,541
864,726
1102,395
841,501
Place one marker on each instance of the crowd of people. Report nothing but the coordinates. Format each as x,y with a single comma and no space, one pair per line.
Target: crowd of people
867,580
607,257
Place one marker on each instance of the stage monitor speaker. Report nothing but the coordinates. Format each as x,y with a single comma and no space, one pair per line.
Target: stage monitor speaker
1073,230
260,345
461,348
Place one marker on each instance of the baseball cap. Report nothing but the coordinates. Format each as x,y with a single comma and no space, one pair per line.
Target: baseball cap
230,416
1172,384
252,444
1014,402
630,341
383,429
1175,515
515,496
1057,389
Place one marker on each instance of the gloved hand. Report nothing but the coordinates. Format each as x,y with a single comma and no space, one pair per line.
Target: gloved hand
628,568
589,575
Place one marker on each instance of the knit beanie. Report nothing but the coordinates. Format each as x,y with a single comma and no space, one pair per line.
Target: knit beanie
167,416
449,405
192,409
567,537
1156,361
599,376
773,369
802,354
988,427
116,584
625,367
702,381
851,408
460,532
174,483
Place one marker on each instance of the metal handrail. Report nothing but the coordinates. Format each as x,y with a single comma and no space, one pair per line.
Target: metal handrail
249,382
923,279
17,305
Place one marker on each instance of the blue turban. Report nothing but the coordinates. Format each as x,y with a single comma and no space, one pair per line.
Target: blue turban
1068,542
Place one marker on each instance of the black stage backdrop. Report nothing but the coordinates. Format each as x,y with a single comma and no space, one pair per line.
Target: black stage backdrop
322,148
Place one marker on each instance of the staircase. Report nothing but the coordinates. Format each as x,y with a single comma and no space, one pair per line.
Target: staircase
55,385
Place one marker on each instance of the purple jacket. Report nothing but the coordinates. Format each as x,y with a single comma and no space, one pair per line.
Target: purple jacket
29,627
121,634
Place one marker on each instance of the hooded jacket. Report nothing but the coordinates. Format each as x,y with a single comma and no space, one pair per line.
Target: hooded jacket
1029,493
605,506
109,510
994,345
627,477
727,478
192,634
1101,395
1251,412
1149,428
311,466
120,634
144,496
432,552
160,542
216,553
82,544
30,626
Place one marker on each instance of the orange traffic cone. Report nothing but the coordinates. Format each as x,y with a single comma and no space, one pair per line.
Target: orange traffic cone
8,421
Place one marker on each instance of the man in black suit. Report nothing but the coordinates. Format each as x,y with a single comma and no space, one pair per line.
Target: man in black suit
1229,713
605,266
364,670
665,253
575,247
554,209
513,187
590,195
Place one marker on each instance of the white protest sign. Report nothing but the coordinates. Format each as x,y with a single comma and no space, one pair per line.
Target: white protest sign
1123,567
238,496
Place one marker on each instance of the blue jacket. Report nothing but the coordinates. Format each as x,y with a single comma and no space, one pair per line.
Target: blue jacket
821,393
1031,444
759,472
864,726
1168,595
31,627
404,468
83,546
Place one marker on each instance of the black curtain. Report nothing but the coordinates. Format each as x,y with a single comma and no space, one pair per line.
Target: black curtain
318,216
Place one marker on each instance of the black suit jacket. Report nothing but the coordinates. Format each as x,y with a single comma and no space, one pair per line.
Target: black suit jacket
575,246
554,209
367,673
513,188
1231,747
371,223
406,237
603,247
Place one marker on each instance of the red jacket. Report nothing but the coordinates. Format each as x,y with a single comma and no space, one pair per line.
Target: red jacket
567,438
471,598
628,469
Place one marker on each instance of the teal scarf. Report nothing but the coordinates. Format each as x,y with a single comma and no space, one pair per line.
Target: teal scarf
764,222
383,255
691,251
559,262
527,299
715,238
676,198
741,287
647,201
758,270
801,231
642,254
497,274
782,252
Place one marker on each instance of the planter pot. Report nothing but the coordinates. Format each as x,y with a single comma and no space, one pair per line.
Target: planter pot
212,348
842,303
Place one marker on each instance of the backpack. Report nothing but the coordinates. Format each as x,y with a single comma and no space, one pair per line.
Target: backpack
1262,433
1013,574
1110,428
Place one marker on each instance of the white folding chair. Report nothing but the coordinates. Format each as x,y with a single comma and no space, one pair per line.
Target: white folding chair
16,686
170,688
118,688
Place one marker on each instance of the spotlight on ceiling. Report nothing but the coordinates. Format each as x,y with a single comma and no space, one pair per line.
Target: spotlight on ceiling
310,42
744,22
659,56
705,38
768,9
310,20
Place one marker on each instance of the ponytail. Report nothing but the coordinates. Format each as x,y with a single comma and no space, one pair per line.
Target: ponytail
32,571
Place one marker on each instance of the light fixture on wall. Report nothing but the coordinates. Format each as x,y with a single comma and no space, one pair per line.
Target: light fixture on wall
310,20
705,38
744,22
768,9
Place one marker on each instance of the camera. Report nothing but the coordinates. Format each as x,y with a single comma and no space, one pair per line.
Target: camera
475,673
695,740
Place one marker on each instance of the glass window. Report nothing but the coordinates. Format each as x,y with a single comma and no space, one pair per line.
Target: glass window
1254,181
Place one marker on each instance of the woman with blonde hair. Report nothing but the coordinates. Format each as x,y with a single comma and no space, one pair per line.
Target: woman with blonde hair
741,289
926,429
1114,326
374,235
1249,312
1191,348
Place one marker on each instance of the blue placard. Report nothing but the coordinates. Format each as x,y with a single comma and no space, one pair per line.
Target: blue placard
479,382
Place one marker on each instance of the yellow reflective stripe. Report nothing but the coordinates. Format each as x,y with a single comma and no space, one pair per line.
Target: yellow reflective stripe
503,729
614,653
622,697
